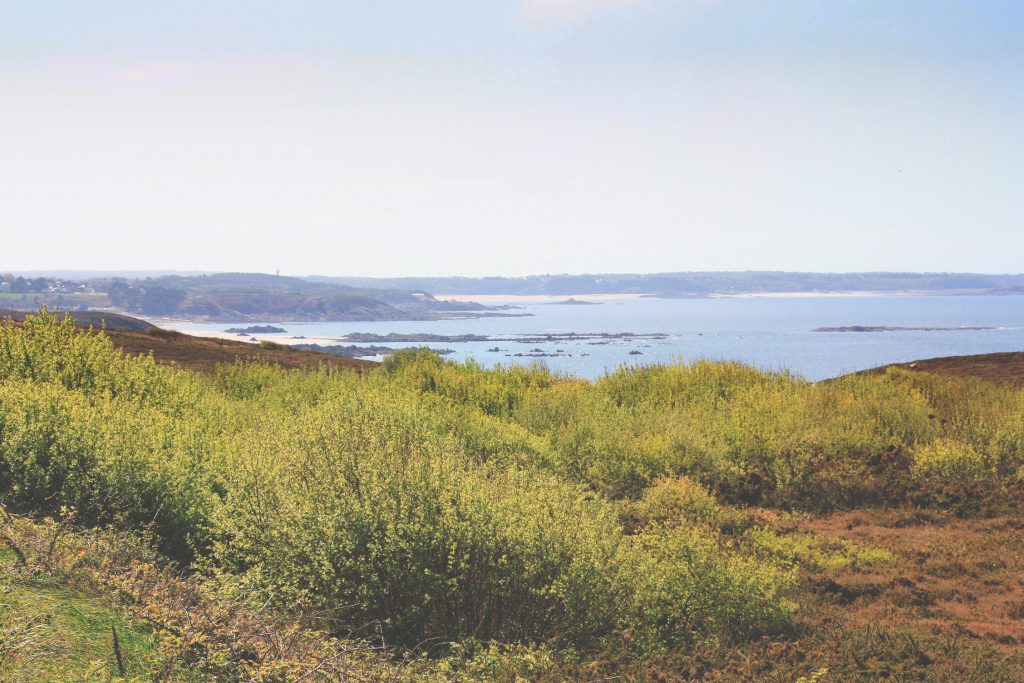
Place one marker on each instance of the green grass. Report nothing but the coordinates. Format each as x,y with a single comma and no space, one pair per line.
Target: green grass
66,633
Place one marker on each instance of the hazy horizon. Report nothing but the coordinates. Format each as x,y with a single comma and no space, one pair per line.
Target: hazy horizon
79,273
513,137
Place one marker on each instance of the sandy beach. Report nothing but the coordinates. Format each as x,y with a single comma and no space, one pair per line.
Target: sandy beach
284,339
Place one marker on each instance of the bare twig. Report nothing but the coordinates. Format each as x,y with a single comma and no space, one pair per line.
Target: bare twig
117,651
22,560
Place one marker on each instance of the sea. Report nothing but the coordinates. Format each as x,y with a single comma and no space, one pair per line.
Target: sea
771,333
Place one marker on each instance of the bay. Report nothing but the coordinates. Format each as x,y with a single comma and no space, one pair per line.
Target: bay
772,333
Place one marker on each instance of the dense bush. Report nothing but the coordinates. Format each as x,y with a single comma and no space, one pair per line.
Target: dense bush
691,588
674,500
751,436
406,530
950,459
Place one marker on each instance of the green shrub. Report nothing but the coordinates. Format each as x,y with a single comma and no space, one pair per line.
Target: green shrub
154,331
677,500
690,588
412,533
108,459
405,532
812,552
950,459
45,349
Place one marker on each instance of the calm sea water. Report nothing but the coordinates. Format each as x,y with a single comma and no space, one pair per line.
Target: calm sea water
769,333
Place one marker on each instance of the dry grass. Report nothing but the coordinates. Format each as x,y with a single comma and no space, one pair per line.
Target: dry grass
956,576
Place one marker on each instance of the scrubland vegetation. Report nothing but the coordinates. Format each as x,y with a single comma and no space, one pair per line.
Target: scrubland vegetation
437,521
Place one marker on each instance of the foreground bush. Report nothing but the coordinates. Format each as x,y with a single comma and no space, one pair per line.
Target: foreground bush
402,502
410,532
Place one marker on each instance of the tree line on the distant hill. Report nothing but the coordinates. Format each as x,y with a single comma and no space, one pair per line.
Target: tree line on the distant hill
234,297
17,284
148,299
695,283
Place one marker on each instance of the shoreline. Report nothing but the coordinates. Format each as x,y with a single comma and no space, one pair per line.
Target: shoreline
818,295
276,337
841,294
599,298
535,298
587,298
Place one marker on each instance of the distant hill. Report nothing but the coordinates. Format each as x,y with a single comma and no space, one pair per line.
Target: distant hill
257,297
701,283
230,297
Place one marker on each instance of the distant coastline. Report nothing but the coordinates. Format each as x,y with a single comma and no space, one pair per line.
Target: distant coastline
896,328
257,298
537,298
600,298
865,293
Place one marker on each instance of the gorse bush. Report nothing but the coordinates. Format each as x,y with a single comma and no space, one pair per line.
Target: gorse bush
407,531
412,530
430,500
691,588
43,349
751,436
950,459
106,458
674,500
115,438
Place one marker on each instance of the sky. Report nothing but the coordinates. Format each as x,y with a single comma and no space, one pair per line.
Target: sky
512,137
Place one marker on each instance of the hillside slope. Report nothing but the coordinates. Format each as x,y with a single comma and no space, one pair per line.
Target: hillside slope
96,319
237,297
138,337
1000,368
203,353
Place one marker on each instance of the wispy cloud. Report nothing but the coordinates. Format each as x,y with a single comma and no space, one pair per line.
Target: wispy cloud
568,9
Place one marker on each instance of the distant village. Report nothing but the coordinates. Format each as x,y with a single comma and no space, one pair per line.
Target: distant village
11,284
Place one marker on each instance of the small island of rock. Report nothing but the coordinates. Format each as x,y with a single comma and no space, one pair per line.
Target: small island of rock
257,329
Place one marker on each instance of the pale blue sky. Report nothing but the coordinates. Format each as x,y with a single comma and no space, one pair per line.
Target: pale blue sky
512,137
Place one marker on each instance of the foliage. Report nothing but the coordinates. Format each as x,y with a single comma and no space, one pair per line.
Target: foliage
74,592
950,459
675,500
813,552
434,502
692,587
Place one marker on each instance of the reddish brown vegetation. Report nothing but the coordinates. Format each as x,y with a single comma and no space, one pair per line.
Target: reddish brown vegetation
1002,368
202,353
952,575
